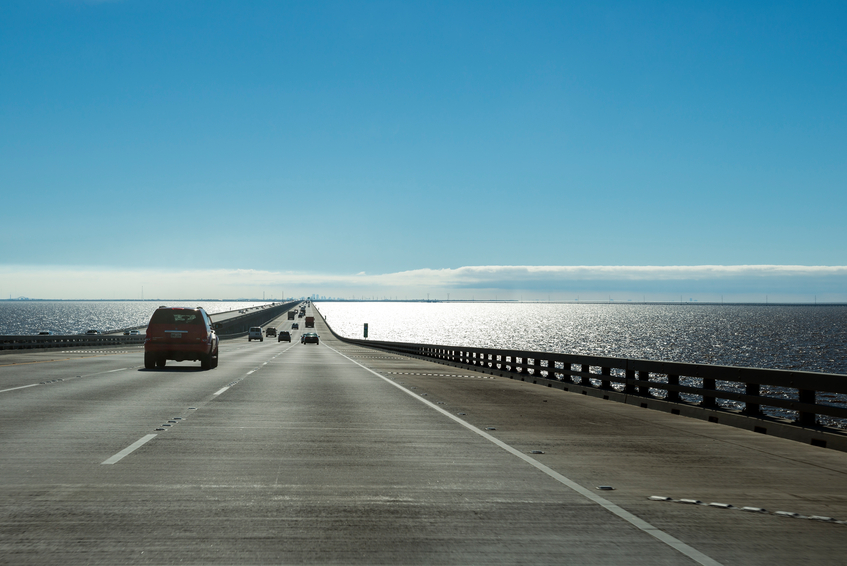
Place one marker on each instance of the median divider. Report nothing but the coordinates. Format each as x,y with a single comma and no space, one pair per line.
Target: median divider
237,327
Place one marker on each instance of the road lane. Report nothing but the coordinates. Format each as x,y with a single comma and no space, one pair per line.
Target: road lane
643,453
87,408
306,458
291,453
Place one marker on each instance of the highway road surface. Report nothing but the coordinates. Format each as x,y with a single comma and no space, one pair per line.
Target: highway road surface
335,454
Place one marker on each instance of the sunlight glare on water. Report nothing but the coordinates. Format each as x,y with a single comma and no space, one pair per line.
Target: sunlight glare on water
802,337
72,317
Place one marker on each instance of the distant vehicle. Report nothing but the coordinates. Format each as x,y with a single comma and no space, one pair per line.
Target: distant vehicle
46,333
291,315
310,322
295,326
255,333
180,334
270,331
134,333
310,338
284,336
92,331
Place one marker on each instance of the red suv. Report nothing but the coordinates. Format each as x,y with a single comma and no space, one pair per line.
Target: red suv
179,334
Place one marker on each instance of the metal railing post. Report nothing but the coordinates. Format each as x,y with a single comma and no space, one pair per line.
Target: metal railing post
805,418
605,383
673,396
644,389
750,408
709,400
629,387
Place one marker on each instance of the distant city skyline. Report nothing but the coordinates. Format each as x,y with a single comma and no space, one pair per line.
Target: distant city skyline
627,151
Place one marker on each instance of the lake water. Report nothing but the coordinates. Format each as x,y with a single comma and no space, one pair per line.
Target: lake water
798,337
74,317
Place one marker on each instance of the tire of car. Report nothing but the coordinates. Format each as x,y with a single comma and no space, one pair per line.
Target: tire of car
206,361
215,358
160,362
149,361
261,339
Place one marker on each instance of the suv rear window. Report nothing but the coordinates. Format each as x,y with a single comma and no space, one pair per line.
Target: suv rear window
170,316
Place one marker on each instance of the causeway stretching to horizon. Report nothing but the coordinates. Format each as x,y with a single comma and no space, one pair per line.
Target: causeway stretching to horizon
366,453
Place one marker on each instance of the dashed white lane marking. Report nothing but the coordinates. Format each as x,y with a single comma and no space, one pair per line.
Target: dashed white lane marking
21,387
637,522
114,370
222,389
99,351
129,449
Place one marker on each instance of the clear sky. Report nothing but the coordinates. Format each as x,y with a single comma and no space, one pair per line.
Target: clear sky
225,149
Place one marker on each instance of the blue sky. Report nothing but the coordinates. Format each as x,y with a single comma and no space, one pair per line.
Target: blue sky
337,147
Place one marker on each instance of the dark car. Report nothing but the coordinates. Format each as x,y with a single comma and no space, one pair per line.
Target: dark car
295,326
283,335
180,334
270,331
310,338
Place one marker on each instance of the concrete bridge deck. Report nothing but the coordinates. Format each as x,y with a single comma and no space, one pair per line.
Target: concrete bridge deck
303,454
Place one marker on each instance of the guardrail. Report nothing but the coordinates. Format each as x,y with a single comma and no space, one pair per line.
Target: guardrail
70,341
799,399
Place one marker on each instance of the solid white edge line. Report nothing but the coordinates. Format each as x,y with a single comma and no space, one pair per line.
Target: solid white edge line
641,524
129,449
221,390
21,387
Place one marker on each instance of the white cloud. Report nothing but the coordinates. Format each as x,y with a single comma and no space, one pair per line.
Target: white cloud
478,281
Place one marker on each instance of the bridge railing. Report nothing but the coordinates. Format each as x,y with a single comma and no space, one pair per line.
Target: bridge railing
69,341
807,398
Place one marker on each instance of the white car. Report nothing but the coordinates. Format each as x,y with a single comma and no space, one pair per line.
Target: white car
255,333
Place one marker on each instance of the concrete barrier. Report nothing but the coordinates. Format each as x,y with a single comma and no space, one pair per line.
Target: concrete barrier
70,341
237,327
